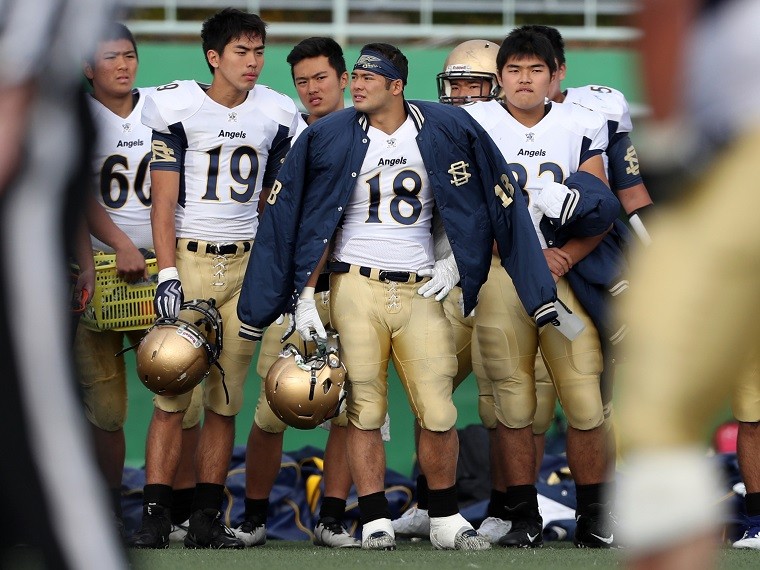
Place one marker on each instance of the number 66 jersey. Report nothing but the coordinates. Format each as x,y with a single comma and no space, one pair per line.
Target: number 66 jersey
225,156
120,169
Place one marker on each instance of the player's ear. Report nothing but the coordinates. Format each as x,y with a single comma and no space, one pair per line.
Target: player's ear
343,80
562,72
213,58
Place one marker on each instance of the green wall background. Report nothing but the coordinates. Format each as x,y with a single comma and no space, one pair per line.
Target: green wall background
163,62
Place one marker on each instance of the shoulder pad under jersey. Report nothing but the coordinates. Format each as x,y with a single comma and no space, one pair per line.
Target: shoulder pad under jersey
482,111
171,103
275,105
605,100
583,119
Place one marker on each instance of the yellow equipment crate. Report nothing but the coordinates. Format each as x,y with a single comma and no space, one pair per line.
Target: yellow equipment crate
116,304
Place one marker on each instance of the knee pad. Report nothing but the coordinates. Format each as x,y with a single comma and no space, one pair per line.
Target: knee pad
266,419
365,413
106,405
583,407
438,419
487,411
193,413
545,411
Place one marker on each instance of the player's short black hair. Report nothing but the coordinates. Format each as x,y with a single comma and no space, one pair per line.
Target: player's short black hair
315,47
555,38
228,25
394,55
113,31
520,44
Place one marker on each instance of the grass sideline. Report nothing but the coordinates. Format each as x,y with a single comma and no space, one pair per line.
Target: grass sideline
301,554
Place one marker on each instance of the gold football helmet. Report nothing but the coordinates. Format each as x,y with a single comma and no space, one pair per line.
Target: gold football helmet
176,354
471,60
304,391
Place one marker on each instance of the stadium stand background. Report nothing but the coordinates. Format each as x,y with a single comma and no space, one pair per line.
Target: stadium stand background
599,51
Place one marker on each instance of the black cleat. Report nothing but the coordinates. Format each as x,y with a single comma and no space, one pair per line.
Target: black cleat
595,527
154,529
527,528
206,530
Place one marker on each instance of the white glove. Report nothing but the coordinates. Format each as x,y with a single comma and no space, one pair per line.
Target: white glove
307,317
444,276
556,201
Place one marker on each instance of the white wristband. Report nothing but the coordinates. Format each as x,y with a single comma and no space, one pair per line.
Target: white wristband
168,273
307,293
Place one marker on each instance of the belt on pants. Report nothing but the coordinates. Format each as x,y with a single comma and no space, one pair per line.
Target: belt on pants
219,248
374,273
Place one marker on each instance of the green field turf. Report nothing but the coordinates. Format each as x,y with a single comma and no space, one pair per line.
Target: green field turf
289,555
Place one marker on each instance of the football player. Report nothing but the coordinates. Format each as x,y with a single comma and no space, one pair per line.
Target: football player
625,180
469,75
555,153
215,149
52,495
361,188
319,74
120,217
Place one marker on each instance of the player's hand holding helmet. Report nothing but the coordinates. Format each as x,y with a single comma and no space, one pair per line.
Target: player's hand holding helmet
304,391
169,296
307,317
444,275
176,353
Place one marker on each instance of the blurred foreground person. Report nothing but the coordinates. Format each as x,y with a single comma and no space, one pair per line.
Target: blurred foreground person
51,495
693,310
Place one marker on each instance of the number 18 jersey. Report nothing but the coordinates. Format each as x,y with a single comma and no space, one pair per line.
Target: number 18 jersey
387,223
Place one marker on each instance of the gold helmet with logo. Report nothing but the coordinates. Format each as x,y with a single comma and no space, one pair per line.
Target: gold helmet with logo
176,354
304,391
474,60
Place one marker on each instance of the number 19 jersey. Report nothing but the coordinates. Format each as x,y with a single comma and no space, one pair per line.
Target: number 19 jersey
225,156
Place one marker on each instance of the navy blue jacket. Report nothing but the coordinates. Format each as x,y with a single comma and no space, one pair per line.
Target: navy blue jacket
473,191
599,276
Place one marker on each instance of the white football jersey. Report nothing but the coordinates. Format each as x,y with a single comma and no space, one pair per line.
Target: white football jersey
120,170
605,100
388,221
221,153
549,151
